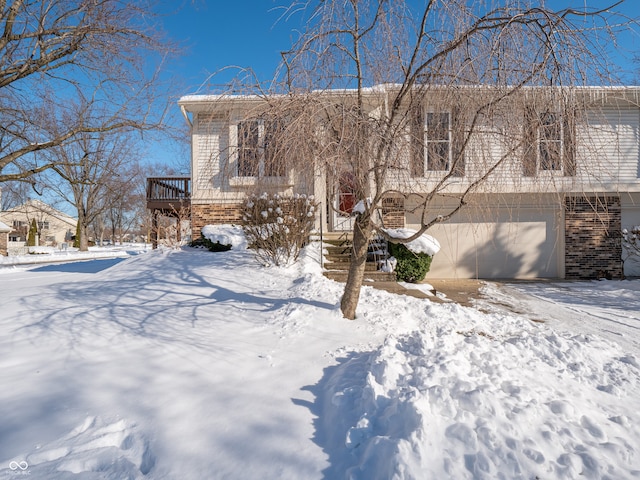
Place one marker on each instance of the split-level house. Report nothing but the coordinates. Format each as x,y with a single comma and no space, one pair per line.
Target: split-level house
553,206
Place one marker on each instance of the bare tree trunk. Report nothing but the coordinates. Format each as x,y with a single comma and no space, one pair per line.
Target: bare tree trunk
84,241
361,235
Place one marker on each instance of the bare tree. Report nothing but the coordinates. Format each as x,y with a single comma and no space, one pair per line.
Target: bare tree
466,84
96,169
13,194
98,54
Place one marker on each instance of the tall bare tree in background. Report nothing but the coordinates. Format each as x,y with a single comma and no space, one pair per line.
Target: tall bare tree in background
474,64
58,54
97,170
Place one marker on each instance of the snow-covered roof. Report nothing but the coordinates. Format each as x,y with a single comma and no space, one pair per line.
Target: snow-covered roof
4,228
194,99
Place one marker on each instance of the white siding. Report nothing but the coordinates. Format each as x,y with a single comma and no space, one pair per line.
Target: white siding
210,141
608,148
607,158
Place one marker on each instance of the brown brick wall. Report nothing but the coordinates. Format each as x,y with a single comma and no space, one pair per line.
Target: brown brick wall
4,243
592,237
214,214
393,212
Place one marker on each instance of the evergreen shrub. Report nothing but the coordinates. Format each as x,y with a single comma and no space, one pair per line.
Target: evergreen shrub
211,246
33,231
411,267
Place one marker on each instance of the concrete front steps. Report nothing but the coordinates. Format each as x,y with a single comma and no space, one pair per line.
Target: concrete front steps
337,257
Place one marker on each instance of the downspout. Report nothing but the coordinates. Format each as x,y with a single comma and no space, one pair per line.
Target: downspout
191,162
186,117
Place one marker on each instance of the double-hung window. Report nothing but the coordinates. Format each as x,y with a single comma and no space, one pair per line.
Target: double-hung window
259,152
437,139
550,134
432,140
549,142
249,148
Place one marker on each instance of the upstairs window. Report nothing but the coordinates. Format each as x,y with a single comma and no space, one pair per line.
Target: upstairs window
549,142
259,148
249,148
437,140
274,159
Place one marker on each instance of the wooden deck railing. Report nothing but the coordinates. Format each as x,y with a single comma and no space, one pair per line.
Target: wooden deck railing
164,193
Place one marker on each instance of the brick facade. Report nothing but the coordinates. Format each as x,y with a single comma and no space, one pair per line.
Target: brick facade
4,243
592,237
393,212
214,214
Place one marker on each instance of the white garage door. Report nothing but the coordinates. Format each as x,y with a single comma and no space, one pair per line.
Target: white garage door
514,244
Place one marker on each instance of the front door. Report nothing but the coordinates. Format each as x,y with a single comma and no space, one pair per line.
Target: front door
343,202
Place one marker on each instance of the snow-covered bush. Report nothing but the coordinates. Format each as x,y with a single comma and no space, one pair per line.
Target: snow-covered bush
220,238
277,227
631,241
413,259
212,246
410,267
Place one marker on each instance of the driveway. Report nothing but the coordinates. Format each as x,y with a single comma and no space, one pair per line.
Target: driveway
610,309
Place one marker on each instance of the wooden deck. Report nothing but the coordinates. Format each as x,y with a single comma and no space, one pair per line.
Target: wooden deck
169,197
168,194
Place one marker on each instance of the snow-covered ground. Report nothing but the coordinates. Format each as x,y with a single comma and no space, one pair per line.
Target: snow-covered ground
197,365
42,255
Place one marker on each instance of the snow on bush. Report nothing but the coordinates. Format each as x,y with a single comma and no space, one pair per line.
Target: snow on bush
412,259
225,235
410,267
631,241
277,227
423,244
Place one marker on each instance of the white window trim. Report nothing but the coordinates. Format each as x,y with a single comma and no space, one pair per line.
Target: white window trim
426,140
238,180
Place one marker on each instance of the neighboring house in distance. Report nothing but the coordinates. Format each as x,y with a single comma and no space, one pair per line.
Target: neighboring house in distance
556,211
54,227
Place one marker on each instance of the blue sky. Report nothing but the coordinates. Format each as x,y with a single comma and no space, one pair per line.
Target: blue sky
251,33
217,34
248,33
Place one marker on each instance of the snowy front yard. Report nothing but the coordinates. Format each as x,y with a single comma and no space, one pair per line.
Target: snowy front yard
196,365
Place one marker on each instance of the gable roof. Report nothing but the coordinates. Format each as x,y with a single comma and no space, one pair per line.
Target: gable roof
34,205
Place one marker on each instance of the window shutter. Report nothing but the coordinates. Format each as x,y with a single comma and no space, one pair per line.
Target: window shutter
417,142
569,141
457,142
530,142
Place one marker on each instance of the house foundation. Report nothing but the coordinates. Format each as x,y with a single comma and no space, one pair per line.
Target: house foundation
214,214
